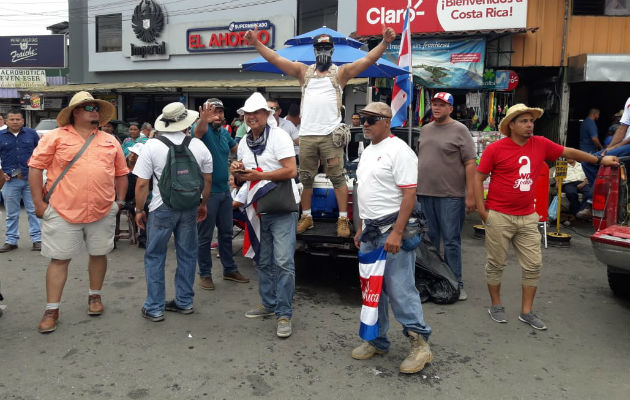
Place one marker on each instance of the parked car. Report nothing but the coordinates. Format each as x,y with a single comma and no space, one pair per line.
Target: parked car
45,125
611,220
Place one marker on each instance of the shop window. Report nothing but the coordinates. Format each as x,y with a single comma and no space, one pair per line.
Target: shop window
315,14
499,52
601,7
108,33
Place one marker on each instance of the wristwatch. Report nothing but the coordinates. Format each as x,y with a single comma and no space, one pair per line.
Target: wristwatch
139,210
599,159
120,203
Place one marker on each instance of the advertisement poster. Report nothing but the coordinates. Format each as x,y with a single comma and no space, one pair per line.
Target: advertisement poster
441,15
446,63
45,51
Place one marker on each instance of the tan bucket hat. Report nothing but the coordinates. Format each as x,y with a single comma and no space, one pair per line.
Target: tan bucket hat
106,113
515,111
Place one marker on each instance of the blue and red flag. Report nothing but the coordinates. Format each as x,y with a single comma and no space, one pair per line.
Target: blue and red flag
371,270
401,95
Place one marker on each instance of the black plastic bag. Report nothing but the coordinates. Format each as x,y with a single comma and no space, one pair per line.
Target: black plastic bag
434,279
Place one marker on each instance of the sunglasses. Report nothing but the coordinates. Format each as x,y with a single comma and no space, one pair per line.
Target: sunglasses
274,108
371,120
90,108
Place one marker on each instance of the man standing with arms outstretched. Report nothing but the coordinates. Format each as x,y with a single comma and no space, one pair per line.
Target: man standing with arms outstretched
322,87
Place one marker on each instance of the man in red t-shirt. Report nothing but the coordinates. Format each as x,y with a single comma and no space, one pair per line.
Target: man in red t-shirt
508,213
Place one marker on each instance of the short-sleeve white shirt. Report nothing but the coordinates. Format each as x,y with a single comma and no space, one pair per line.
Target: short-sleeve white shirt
279,146
385,169
151,161
625,118
292,130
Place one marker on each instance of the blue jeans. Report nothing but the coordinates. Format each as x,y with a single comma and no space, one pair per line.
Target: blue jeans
399,291
590,170
572,192
161,223
219,214
445,219
276,265
13,191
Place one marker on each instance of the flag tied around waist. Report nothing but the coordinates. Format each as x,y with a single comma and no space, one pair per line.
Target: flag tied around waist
371,270
251,240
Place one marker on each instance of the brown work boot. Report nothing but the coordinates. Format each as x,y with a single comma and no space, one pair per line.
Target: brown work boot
305,222
8,247
419,355
205,282
95,306
343,227
49,321
365,351
235,277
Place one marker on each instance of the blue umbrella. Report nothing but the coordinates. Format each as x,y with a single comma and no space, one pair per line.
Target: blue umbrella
338,38
302,51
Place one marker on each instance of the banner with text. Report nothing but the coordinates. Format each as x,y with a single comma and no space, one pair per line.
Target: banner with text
446,63
22,78
441,15
42,51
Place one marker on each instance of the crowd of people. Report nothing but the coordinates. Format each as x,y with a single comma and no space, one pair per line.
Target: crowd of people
186,176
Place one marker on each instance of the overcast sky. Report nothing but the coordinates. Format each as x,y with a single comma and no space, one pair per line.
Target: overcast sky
31,17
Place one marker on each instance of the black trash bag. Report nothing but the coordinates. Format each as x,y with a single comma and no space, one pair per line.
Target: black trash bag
434,279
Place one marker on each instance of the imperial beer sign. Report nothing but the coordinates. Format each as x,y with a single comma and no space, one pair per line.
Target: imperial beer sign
228,38
148,22
441,15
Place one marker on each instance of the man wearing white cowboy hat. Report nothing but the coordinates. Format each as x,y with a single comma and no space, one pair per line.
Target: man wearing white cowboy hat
164,220
83,180
508,212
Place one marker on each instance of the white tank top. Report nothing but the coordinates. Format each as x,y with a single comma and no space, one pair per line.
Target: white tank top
320,115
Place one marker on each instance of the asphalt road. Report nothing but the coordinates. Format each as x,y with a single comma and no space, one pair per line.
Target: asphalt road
216,353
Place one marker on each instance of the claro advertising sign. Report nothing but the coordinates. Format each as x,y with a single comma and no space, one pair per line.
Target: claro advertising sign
441,15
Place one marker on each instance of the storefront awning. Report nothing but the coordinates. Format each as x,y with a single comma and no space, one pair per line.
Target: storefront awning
170,86
599,68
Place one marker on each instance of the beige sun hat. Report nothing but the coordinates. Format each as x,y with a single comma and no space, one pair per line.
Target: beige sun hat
106,113
175,118
515,111
254,103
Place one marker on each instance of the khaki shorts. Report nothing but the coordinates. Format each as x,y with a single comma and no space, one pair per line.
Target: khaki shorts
62,240
320,149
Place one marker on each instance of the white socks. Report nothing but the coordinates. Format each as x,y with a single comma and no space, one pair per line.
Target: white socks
343,214
94,292
306,213
52,306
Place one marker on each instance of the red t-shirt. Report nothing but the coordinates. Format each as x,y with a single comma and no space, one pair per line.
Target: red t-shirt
513,171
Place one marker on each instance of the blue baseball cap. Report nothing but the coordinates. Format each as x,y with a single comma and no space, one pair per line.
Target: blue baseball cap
445,97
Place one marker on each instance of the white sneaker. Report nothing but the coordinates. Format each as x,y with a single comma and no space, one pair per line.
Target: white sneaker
462,294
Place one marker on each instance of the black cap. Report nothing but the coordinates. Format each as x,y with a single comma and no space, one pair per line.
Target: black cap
215,102
323,39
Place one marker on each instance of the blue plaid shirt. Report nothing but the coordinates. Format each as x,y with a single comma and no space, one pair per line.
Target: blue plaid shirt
15,151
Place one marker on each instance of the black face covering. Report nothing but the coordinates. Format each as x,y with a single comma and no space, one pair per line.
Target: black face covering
323,57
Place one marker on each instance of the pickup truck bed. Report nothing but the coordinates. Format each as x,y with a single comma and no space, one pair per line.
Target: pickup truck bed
322,240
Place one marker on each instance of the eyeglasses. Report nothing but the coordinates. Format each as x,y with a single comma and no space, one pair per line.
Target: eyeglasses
371,120
90,108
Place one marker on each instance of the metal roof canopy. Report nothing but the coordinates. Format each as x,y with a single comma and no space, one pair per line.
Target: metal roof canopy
173,86
599,68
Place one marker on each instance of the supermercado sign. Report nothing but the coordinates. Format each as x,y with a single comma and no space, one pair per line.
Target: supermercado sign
228,38
22,78
441,15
